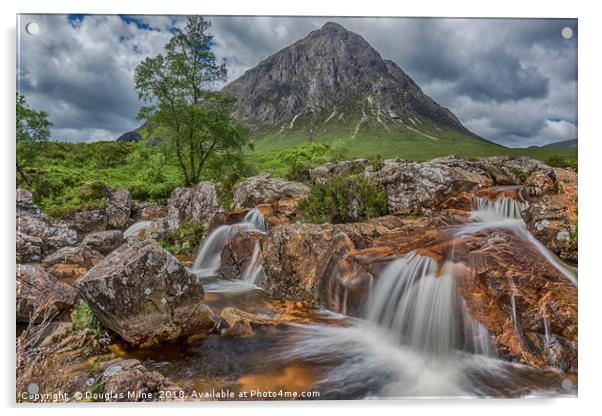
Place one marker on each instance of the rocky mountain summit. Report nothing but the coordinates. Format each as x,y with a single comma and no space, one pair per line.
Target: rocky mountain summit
333,78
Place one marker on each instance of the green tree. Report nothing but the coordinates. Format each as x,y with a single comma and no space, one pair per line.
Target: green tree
193,121
33,128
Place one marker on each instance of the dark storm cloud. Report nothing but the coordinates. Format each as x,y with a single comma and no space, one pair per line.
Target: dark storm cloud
512,81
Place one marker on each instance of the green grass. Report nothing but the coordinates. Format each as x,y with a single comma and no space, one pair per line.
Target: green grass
68,177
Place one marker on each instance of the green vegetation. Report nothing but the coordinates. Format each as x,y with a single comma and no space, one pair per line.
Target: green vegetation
184,239
33,127
194,122
84,318
344,199
562,162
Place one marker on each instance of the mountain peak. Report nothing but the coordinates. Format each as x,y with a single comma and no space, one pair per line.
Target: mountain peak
333,79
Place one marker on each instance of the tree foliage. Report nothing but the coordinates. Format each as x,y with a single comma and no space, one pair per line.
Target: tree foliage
193,120
33,127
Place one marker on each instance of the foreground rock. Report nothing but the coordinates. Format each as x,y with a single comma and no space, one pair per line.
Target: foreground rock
144,294
197,204
104,241
551,215
41,296
264,189
318,264
36,234
70,263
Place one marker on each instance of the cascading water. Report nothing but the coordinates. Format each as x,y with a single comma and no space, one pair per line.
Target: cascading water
208,260
136,229
424,310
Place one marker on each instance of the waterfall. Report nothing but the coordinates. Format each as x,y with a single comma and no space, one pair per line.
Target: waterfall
254,271
135,229
505,213
424,310
513,301
209,257
256,218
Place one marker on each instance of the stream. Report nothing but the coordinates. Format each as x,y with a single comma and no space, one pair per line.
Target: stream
415,337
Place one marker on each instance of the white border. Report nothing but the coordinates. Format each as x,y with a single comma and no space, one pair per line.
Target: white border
590,155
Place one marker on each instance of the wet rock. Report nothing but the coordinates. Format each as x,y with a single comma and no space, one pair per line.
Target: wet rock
41,295
129,380
70,263
504,276
310,262
264,189
104,241
239,323
551,215
118,208
144,294
237,254
322,173
197,204
416,188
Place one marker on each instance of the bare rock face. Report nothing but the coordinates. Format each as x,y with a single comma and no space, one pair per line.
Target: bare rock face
281,212
70,263
37,235
150,212
415,188
144,294
40,294
317,264
322,173
264,189
104,241
197,204
552,212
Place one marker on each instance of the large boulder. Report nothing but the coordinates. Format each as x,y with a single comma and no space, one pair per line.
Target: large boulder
144,294
278,213
104,241
551,214
85,222
416,188
37,235
264,189
238,254
197,204
149,212
70,263
318,264
41,296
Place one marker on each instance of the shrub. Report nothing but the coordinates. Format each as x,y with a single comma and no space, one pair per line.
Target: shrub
183,240
84,318
344,199
559,162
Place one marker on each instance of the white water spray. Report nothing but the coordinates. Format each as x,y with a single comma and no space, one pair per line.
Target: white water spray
136,229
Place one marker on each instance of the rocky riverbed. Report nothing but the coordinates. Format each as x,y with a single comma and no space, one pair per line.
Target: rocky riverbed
467,288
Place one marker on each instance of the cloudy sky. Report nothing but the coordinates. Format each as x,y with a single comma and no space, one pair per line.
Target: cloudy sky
511,81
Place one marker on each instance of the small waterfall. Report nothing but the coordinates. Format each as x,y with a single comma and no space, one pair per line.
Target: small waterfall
135,229
256,218
254,271
505,213
502,207
424,310
208,260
